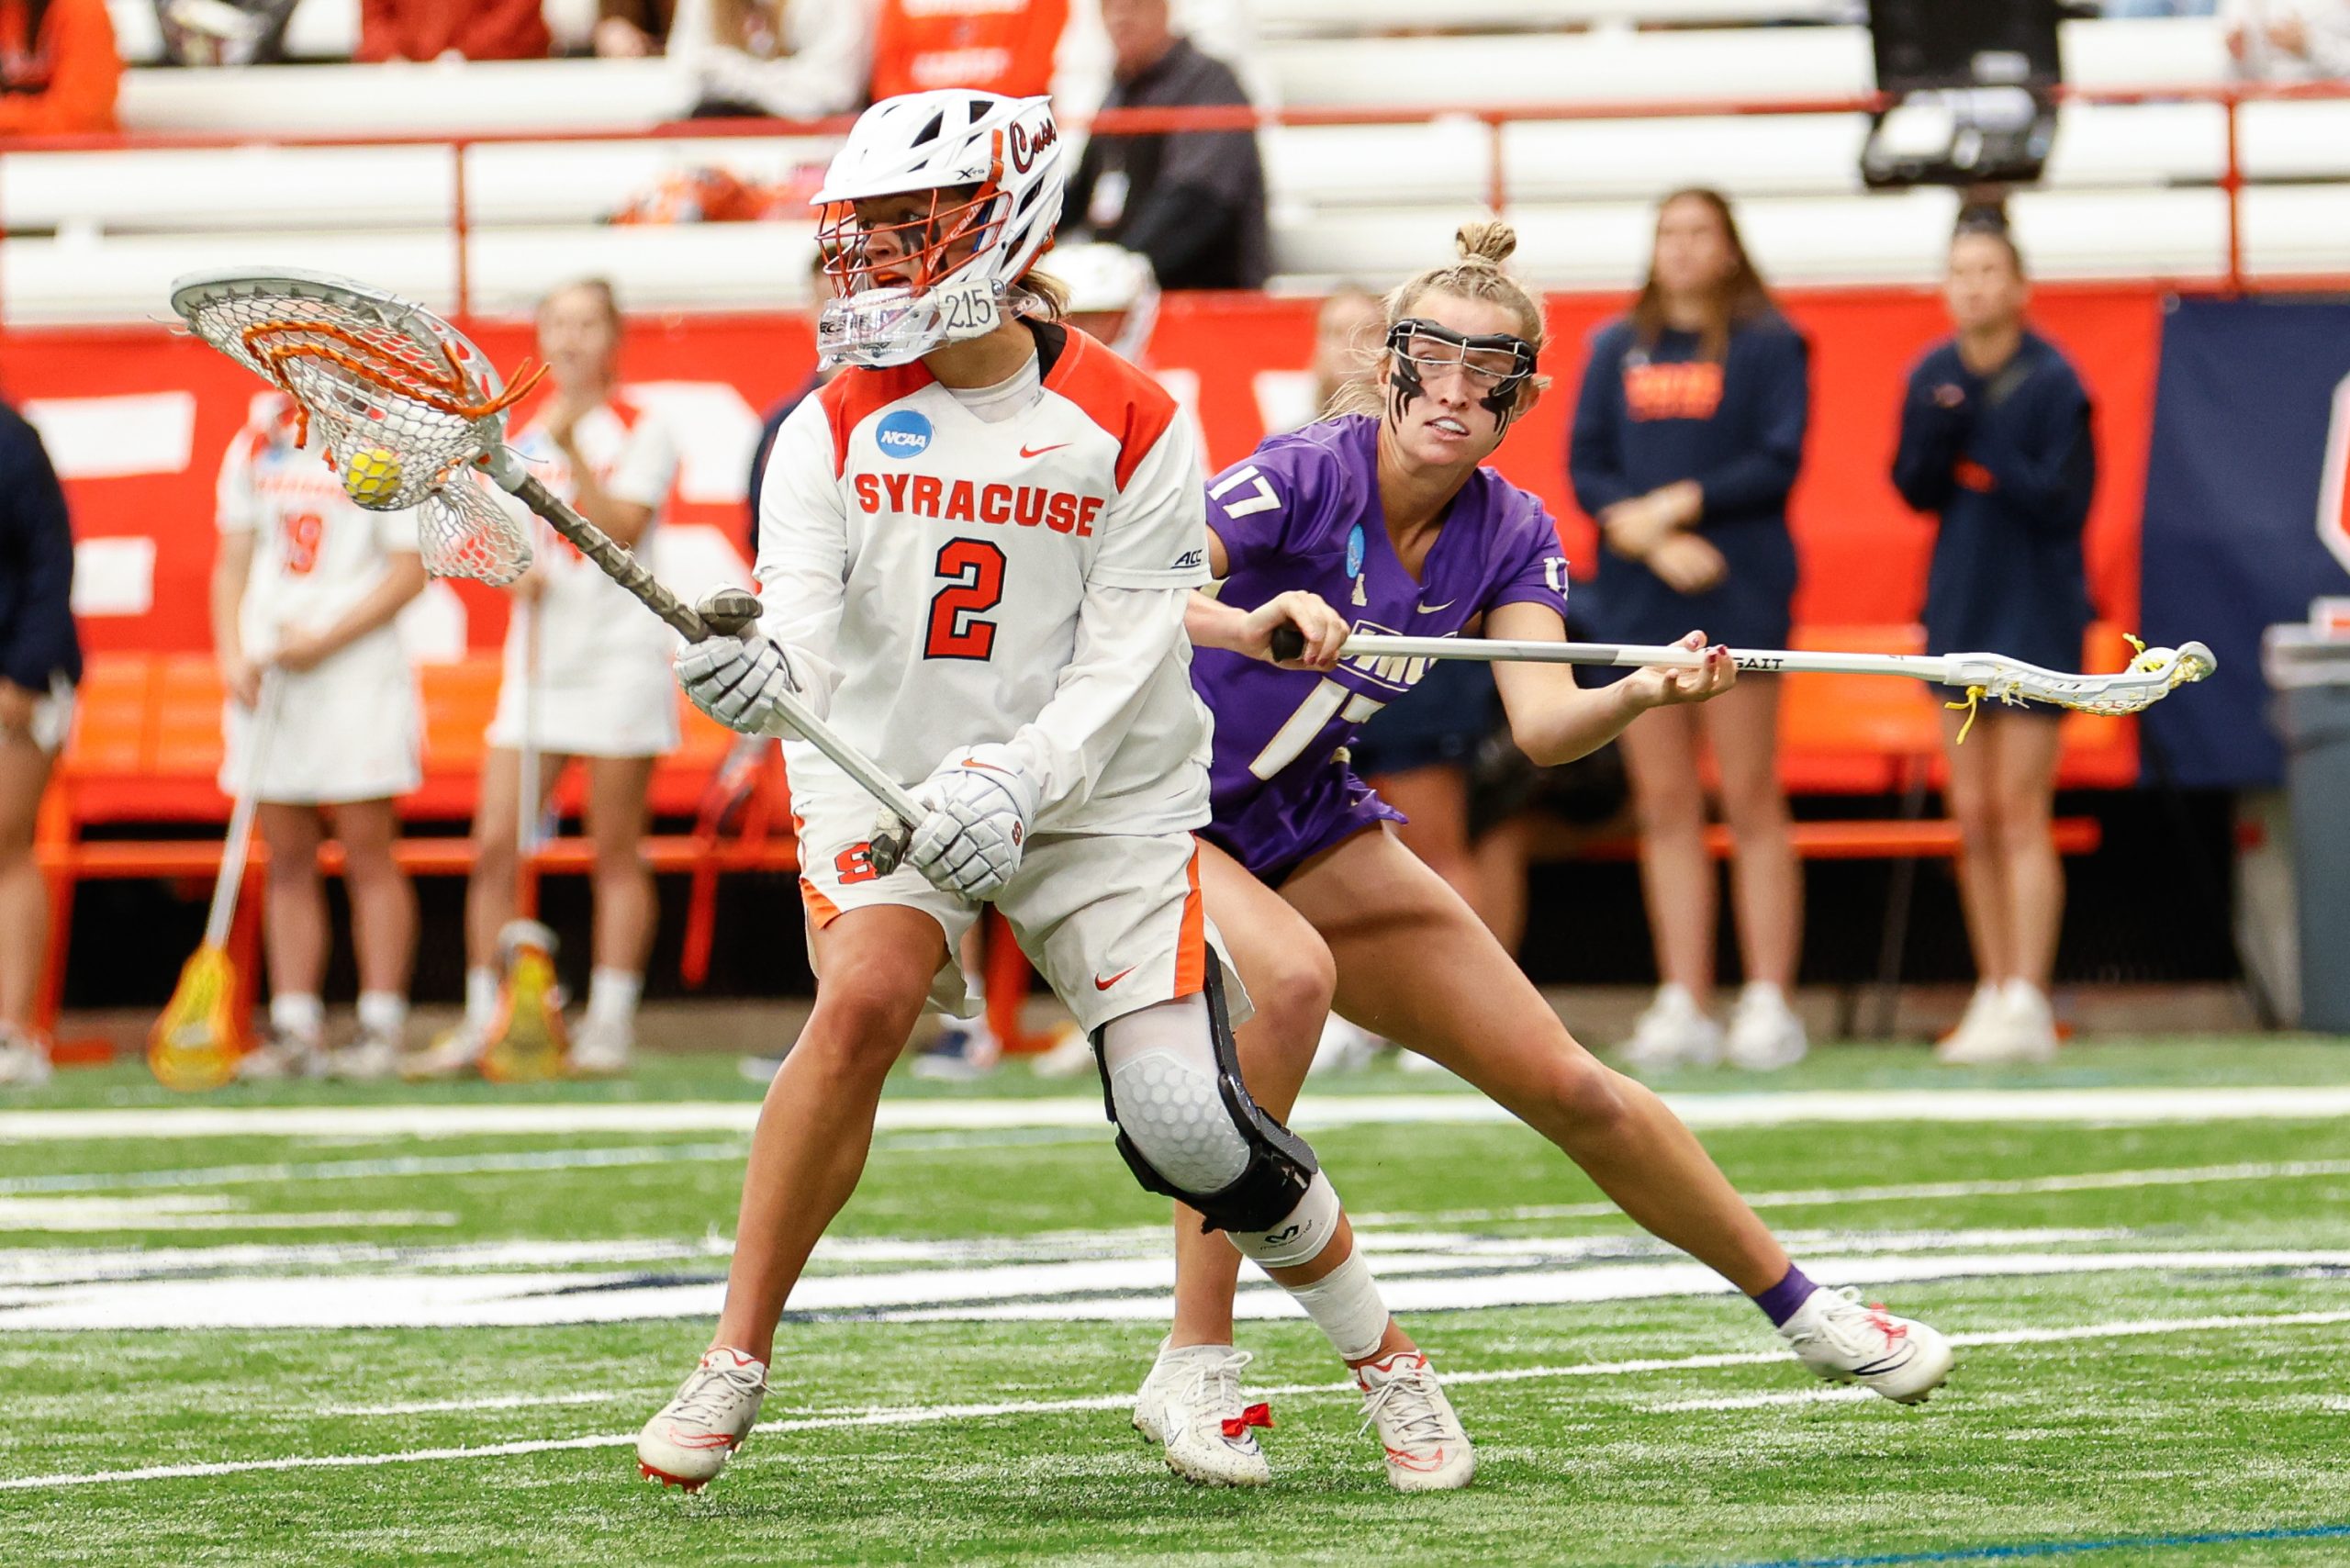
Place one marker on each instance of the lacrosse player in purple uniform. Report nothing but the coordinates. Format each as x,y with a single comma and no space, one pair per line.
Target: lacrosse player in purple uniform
1383,521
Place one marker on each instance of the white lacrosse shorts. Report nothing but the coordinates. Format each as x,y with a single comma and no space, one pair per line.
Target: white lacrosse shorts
348,730
1114,922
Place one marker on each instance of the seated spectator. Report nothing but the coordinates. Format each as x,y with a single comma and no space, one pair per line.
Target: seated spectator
59,67
996,46
1191,201
783,58
468,29
2288,40
631,30
224,32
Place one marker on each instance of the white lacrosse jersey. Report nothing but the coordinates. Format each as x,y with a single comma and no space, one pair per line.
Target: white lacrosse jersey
315,552
586,619
940,563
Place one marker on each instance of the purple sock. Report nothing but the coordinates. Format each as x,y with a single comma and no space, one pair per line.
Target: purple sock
1780,1302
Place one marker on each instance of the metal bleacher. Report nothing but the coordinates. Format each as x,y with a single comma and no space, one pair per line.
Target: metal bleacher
2132,188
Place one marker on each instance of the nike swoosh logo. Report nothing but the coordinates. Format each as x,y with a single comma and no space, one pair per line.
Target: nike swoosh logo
1101,984
1432,608
1039,451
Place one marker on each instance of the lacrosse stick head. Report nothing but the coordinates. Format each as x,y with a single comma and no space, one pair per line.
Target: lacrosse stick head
2152,674
404,403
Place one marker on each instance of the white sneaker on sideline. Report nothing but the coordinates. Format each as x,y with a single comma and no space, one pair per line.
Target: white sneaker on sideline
24,1061
601,1048
689,1440
1976,1029
1191,1406
1426,1450
1764,1033
1843,1340
1344,1047
374,1055
283,1054
1673,1032
1071,1056
2028,1021
964,1049
456,1054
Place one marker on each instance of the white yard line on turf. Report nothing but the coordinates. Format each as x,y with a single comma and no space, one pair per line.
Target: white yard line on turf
923,1415
2089,1181
1766,1401
192,1212
2108,1105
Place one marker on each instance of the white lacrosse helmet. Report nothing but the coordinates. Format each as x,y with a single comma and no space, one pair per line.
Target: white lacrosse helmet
1113,294
992,167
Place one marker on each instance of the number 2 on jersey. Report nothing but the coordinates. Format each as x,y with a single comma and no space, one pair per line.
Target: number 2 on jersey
975,572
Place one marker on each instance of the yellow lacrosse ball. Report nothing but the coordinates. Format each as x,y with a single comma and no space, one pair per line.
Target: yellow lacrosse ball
372,478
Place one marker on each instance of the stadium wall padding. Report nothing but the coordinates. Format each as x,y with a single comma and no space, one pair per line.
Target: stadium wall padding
1864,554
2234,538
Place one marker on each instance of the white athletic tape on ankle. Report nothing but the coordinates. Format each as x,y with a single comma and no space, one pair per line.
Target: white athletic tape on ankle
1300,1237
1345,1304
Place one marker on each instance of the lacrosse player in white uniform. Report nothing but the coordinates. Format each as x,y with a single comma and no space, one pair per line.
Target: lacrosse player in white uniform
596,685
975,553
304,587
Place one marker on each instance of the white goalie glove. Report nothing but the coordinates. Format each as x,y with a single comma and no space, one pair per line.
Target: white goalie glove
975,822
741,681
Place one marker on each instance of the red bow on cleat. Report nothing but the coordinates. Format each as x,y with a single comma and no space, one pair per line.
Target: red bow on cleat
1255,1416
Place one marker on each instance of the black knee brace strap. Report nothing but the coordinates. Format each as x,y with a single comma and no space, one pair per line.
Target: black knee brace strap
1281,1167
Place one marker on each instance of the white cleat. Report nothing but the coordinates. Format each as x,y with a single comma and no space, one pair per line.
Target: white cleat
691,1439
1426,1450
374,1055
282,1056
1843,1340
456,1054
1191,1407
602,1049
1764,1033
1069,1057
1963,1043
1344,1047
1673,1032
24,1061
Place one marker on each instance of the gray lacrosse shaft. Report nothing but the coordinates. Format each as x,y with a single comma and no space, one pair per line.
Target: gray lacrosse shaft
621,565
1289,642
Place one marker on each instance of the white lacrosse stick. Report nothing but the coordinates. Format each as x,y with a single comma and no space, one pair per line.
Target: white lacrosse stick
409,408
2152,674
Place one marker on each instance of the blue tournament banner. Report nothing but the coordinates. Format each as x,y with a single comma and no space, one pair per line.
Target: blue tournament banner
2245,513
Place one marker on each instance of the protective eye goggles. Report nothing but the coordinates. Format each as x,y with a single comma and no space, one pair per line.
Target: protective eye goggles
1494,363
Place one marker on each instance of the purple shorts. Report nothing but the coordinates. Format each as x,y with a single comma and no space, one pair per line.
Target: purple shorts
1278,827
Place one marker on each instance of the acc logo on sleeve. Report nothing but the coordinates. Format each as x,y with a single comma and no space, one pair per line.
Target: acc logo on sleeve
903,435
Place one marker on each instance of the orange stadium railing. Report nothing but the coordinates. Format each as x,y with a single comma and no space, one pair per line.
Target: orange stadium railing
1496,117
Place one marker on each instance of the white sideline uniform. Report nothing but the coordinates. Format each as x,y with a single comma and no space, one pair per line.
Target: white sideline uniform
348,730
604,688
970,582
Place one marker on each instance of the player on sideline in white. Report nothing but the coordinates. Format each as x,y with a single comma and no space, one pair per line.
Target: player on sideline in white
975,550
1387,512
304,587
586,676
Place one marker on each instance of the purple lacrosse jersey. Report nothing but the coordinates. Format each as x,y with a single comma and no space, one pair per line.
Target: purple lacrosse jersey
1303,512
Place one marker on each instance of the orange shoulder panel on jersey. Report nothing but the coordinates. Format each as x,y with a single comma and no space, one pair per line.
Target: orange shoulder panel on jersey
271,415
849,396
626,410
1122,399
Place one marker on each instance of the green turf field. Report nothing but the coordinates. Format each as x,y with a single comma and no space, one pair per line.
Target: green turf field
377,1326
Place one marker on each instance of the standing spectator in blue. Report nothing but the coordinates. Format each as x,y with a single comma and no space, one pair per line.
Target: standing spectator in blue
1996,442
1687,437
40,660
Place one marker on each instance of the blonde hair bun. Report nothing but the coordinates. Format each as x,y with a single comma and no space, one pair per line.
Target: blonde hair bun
1488,243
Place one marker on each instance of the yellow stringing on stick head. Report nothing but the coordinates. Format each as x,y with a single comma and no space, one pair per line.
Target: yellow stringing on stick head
371,477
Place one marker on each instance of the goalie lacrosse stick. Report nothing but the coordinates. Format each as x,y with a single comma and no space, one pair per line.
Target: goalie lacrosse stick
408,408
2152,674
198,1036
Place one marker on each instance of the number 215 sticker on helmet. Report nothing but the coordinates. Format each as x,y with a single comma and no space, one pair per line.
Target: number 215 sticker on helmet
989,172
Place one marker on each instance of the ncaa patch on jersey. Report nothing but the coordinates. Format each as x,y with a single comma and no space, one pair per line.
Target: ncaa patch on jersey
903,435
